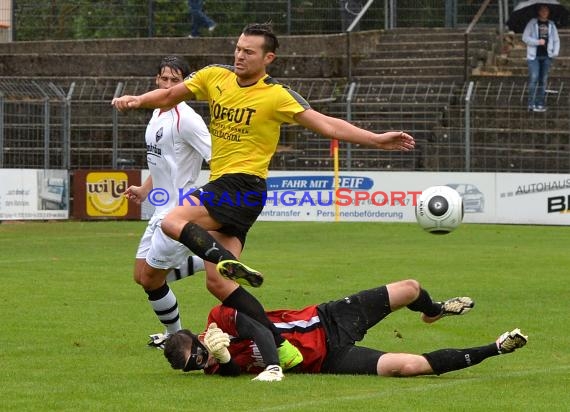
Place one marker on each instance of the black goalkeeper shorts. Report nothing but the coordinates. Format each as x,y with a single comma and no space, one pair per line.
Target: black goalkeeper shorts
346,321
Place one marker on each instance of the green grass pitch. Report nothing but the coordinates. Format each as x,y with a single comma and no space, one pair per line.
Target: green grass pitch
74,324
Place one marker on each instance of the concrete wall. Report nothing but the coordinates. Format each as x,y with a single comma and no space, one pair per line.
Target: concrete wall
298,56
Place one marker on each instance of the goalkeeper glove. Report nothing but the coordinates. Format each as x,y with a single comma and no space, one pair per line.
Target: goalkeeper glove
217,342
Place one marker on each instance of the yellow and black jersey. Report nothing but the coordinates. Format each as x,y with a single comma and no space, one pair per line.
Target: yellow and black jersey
245,121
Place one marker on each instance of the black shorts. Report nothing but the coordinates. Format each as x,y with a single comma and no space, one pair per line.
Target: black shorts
346,321
235,201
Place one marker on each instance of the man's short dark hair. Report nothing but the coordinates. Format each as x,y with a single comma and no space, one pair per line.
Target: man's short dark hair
177,348
175,63
266,30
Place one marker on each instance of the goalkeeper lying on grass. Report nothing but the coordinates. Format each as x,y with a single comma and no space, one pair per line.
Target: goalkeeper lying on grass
326,335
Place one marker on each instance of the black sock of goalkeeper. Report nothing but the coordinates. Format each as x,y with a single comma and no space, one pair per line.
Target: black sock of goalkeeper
425,304
199,241
447,360
245,302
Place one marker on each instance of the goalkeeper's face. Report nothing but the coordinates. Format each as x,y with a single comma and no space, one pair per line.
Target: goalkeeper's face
198,358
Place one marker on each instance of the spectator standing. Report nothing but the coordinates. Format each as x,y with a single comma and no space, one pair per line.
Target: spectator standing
543,45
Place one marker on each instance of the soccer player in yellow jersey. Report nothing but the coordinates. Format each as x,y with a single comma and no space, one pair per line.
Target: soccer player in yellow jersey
247,108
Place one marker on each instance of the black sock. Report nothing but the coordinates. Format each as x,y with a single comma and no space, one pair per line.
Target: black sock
246,303
447,360
203,244
425,304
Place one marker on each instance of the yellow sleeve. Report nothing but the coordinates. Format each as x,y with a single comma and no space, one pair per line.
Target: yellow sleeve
289,105
197,83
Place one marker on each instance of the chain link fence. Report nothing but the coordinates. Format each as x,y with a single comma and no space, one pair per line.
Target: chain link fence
71,124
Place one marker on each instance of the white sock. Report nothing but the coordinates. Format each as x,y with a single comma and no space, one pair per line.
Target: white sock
166,309
197,263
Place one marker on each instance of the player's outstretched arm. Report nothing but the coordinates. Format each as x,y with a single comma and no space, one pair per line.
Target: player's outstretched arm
335,128
156,99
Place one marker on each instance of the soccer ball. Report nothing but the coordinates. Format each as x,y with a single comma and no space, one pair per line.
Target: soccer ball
439,210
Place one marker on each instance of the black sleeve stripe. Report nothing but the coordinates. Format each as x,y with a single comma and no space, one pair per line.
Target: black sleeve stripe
298,98
223,66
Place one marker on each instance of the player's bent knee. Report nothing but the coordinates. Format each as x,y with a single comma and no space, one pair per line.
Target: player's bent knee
152,278
413,285
411,288
137,272
169,227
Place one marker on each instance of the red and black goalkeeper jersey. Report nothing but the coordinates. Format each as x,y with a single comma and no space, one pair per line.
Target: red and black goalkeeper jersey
302,328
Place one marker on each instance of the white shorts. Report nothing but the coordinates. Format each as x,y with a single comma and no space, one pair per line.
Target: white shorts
159,250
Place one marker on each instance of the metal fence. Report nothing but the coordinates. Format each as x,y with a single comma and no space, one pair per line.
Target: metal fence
497,131
81,19
481,126
35,125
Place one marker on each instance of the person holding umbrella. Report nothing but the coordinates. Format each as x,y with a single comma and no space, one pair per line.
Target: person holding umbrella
543,45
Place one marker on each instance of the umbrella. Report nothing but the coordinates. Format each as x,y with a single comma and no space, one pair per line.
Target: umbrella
528,9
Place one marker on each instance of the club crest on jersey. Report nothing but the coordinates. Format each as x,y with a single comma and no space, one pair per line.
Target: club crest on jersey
159,135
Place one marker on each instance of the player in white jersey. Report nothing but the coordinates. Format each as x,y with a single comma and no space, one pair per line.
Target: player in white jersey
176,141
